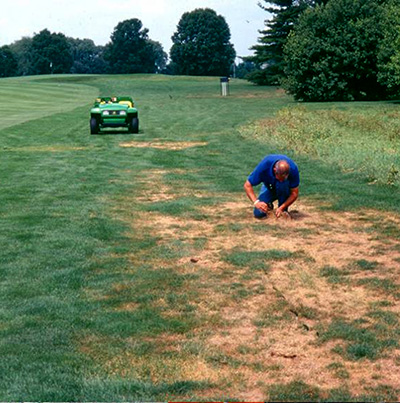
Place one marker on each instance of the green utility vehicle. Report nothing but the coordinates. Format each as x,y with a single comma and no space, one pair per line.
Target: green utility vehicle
114,112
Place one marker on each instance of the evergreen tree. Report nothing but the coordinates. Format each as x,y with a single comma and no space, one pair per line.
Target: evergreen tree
269,52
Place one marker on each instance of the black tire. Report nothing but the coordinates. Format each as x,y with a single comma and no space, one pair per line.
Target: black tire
134,125
94,126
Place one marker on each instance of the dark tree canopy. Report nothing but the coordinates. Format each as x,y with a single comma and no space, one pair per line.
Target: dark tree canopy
389,50
243,69
161,57
130,50
201,45
22,51
335,51
88,58
8,62
50,53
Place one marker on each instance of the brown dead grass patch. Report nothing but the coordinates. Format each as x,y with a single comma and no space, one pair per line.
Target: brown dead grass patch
161,370
292,344
127,307
154,189
278,93
164,145
52,149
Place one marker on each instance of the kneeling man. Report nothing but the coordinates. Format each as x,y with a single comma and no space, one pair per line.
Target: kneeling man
280,180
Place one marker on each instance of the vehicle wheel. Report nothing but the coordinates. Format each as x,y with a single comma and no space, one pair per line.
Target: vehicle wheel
134,125
94,126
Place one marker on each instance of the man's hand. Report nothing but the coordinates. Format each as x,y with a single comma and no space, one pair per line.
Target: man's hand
262,206
294,193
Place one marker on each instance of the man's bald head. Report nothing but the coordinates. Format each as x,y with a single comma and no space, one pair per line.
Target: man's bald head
281,170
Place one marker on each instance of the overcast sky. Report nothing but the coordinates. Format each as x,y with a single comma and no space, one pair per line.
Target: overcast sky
96,19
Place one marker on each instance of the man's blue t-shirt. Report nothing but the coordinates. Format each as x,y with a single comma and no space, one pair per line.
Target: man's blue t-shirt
263,173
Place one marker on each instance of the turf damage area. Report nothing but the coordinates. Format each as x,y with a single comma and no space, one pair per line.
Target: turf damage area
273,298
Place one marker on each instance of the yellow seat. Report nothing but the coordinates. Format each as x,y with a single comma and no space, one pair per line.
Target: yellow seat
129,103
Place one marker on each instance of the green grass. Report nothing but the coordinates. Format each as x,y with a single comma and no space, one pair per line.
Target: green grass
339,370
362,264
334,275
83,284
364,341
299,391
387,286
257,260
30,98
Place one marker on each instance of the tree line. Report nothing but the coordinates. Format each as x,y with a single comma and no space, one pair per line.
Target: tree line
330,50
201,46
318,50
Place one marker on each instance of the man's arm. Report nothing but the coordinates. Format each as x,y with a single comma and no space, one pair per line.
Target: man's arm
294,194
248,188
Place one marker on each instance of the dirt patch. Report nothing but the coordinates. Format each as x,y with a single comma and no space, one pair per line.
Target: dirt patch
153,187
279,93
52,149
164,145
127,307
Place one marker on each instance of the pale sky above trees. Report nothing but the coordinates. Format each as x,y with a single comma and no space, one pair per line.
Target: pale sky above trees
96,19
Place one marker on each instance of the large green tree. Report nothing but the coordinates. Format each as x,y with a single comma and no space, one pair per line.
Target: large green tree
8,62
389,50
23,54
87,57
130,50
335,51
201,45
50,53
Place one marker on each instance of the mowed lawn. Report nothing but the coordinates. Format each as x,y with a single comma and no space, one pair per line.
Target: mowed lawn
131,266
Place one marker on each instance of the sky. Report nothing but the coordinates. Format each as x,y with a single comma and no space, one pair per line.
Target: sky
96,19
